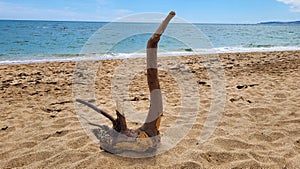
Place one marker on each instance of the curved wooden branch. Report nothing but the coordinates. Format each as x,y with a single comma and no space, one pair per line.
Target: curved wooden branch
113,120
122,138
152,123
119,124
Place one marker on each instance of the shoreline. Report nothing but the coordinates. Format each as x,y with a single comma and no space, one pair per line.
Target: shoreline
141,55
259,126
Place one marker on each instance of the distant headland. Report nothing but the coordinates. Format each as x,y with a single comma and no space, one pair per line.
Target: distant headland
276,22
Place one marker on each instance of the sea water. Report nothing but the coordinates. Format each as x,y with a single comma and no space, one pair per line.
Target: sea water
36,41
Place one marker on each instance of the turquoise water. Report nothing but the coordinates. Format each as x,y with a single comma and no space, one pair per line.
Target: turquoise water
22,41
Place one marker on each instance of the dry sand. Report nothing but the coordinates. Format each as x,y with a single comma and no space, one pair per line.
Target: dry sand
259,128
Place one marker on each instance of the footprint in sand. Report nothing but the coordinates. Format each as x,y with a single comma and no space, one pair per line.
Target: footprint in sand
267,137
218,158
231,144
27,159
189,164
260,115
279,97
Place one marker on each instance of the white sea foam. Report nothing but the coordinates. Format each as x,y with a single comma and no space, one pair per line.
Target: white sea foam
113,56
263,49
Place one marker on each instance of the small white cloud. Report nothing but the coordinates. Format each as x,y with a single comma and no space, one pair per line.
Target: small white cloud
294,4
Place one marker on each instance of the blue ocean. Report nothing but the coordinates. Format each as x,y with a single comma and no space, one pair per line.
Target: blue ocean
36,41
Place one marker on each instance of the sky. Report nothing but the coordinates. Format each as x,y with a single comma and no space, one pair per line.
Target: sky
196,11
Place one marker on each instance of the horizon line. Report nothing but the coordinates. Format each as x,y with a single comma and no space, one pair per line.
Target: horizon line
97,21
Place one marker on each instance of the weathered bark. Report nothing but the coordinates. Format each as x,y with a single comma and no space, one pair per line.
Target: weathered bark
147,136
151,126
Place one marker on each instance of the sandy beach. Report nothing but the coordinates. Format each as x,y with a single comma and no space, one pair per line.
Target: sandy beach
259,127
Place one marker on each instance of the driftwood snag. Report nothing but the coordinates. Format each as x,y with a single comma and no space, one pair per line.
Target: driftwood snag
147,137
